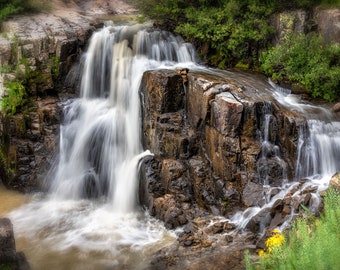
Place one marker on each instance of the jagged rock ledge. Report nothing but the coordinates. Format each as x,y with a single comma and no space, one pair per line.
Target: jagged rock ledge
206,138
207,145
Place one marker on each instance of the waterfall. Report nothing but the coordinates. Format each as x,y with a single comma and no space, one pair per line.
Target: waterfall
318,153
318,147
317,160
270,165
92,205
100,144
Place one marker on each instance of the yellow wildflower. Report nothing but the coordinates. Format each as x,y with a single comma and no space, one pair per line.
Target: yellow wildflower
276,240
262,253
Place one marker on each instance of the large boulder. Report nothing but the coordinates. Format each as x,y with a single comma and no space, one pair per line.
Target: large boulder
9,258
206,135
328,23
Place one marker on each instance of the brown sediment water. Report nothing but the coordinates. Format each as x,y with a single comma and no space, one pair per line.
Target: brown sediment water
10,200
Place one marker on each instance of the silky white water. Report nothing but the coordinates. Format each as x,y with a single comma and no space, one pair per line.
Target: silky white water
90,218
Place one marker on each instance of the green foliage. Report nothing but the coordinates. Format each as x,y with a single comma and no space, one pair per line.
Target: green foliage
310,245
6,266
308,61
14,97
11,7
229,33
54,65
7,8
224,32
330,3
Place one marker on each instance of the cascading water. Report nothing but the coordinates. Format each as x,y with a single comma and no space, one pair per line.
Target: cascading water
100,151
317,158
318,148
270,165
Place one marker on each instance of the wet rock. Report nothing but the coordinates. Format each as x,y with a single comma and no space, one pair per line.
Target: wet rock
335,181
9,258
260,221
167,209
207,141
272,170
189,255
162,96
184,73
32,142
253,195
227,114
174,178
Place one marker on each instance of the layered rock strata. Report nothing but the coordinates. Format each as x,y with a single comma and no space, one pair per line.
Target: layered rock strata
206,136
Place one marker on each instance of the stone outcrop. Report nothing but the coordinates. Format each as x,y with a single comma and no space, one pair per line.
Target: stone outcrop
326,22
285,23
9,257
31,140
206,136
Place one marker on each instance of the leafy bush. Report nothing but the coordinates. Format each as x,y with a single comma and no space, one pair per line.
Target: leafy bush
11,7
7,8
226,33
230,33
14,97
308,61
310,245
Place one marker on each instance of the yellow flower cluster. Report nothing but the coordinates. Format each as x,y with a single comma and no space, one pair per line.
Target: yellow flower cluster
276,240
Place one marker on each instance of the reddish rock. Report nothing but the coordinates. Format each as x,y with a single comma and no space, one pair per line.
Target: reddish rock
227,114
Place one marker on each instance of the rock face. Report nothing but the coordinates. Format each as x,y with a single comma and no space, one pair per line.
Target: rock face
326,22
206,136
31,140
9,258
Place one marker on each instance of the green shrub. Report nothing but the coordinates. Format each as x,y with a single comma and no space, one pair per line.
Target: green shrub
14,97
224,32
7,9
310,245
11,7
230,33
308,61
